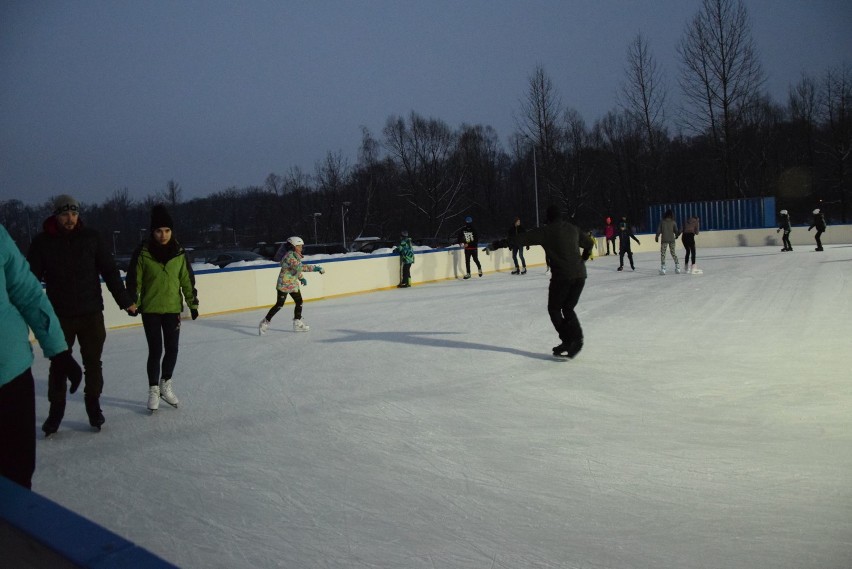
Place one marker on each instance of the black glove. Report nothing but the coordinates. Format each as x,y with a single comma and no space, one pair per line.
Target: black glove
586,254
64,366
194,313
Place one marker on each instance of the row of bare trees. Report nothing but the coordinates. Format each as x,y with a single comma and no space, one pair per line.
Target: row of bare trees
725,139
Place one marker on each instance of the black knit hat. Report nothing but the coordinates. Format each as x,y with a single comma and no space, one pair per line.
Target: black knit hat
160,217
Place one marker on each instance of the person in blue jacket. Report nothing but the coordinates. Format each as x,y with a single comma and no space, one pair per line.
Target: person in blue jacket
406,258
23,304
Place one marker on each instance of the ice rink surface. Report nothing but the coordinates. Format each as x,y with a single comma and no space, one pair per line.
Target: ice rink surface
706,424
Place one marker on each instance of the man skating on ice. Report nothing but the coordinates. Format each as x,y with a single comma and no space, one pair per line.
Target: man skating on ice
70,259
625,234
562,241
469,239
669,232
819,223
786,228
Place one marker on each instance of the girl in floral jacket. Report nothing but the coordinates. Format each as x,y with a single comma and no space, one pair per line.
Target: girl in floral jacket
288,283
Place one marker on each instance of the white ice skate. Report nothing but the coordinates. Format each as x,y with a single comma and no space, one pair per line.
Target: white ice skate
696,270
663,270
677,269
153,397
300,326
167,394
263,327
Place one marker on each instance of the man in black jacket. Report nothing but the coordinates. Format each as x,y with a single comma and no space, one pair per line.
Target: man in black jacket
562,242
70,259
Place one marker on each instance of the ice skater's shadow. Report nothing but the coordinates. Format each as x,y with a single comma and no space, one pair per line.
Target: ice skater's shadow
138,406
230,325
427,339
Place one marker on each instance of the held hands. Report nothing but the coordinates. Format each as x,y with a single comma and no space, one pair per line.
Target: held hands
64,366
304,281
194,313
132,310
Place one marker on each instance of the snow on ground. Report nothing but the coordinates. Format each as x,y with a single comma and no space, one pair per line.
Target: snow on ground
706,424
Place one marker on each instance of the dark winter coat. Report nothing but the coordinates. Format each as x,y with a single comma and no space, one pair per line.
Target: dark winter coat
514,231
71,265
468,237
625,234
785,224
562,241
819,222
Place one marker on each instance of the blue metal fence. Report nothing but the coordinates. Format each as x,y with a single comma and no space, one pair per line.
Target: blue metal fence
747,213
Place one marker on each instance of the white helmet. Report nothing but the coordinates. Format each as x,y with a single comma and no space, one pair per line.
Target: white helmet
783,212
816,211
294,241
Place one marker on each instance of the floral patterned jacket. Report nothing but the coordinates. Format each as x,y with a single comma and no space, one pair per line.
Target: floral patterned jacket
291,272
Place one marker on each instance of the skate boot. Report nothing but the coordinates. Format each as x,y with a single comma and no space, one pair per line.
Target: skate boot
153,397
516,271
621,268
467,276
524,271
480,274
300,326
662,269
568,349
263,327
54,417
93,410
166,393
677,269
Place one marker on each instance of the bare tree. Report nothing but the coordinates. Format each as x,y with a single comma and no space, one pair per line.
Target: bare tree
430,182
643,94
172,195
720,77
540,114
274,184
803,106
836,110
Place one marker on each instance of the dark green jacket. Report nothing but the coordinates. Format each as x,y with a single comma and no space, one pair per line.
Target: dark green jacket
562,242
156,284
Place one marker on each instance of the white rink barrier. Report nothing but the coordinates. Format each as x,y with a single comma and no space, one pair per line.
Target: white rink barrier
253,287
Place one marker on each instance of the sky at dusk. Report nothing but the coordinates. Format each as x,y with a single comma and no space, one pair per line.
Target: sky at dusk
98,96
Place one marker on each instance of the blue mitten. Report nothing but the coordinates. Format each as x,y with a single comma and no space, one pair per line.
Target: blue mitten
303,281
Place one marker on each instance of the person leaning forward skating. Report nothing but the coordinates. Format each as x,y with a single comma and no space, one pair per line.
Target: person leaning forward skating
24,306
562,241
70,259
160,278
288,283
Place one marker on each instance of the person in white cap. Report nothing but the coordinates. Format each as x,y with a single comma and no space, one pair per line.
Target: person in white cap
289,280
785,227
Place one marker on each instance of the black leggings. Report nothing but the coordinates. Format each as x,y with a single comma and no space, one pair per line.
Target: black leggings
817,237
785,238
562,297
689,243
161,330
282,296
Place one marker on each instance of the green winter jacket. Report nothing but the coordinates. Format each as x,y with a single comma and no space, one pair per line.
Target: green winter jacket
156,286
405,250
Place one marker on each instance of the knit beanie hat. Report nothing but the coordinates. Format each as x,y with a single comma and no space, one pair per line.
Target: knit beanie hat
65,203
160,218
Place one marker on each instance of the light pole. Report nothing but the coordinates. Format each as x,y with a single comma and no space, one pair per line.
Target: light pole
316,215
535,185
343,219
114,234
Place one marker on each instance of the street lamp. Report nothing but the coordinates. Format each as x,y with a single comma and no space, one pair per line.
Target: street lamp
114,234
316,215
343,219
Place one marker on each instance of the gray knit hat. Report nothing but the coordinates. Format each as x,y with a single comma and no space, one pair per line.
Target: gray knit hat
65,203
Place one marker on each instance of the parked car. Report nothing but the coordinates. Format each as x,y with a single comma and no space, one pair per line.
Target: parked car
267,250
323,249
225,258
371,246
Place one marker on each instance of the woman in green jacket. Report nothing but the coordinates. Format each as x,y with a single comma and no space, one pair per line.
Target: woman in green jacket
160,279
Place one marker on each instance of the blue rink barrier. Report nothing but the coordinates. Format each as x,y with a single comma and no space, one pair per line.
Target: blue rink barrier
745,213
37,533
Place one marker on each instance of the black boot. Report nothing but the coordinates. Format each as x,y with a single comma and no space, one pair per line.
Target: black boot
54,417
93,410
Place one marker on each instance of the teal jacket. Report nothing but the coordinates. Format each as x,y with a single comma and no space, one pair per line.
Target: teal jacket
157,276
405,250
23,303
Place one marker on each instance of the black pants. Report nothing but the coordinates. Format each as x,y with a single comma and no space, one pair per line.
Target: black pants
629,254
282,296
89,330
406,274
562,297
614,250
161,331
786,240
689,243
468,253
818,240
17,423
515,251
